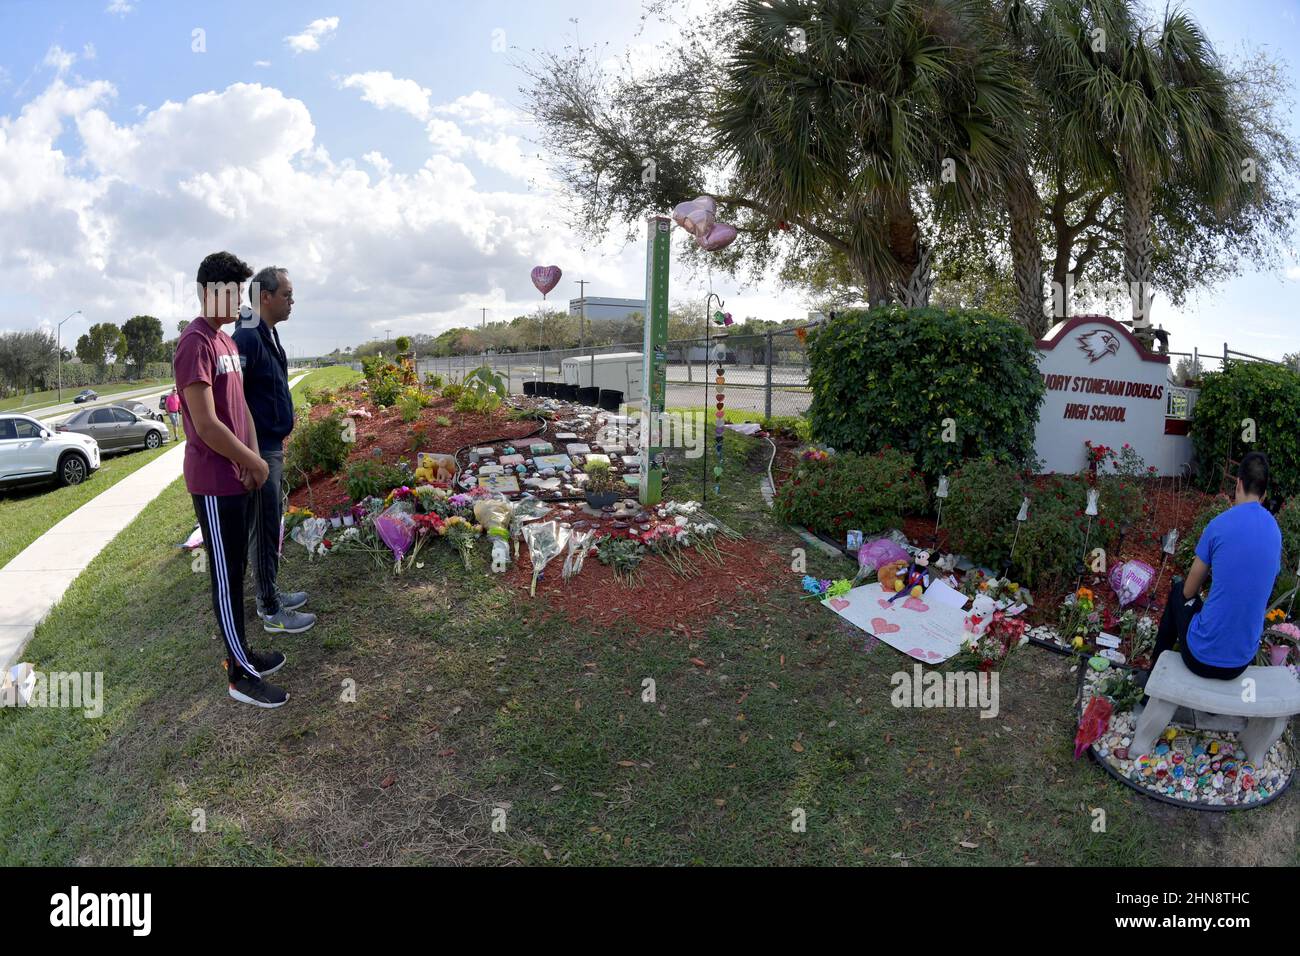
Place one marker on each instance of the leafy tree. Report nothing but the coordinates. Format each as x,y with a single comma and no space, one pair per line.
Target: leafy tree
1061,204
98,345
1160,105
144,338
26,358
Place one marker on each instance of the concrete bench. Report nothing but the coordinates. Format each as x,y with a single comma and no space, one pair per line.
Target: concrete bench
1276,698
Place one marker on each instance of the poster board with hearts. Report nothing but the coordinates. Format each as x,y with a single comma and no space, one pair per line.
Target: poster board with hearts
926,630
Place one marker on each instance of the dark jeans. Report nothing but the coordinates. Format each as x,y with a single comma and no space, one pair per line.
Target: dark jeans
223,519
1173,629
265,506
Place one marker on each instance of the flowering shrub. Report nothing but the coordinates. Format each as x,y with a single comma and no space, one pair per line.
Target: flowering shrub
835,493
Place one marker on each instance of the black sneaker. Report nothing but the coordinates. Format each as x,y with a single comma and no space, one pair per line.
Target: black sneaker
249,690
268,663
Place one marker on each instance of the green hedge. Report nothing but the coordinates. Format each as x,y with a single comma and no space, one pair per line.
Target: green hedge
1268,394
80,375
846,491
890,376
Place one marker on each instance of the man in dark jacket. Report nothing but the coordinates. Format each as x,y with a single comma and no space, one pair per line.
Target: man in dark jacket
266,389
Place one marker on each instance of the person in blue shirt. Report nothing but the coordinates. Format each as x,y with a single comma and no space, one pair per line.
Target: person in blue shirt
1242,549
266,390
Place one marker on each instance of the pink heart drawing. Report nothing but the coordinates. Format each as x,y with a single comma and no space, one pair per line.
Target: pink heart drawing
883,603
916,604
839,603
881,626
921,655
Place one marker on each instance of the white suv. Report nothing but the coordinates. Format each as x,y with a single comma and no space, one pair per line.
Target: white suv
32,452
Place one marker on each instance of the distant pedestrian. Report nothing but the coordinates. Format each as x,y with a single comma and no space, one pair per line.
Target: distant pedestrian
173,405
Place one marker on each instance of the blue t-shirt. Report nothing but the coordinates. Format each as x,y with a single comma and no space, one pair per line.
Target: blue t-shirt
1243,547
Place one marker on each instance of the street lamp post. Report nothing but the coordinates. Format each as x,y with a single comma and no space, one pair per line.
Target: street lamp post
59,348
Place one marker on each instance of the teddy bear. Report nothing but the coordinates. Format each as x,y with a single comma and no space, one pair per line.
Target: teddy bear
887,574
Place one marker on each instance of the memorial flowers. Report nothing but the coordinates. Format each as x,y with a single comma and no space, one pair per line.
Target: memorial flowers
462,535
990,649
1079,620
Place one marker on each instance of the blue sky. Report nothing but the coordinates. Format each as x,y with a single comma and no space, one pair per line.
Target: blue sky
375,149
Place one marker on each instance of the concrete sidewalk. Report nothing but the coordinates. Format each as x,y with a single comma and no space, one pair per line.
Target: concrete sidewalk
37,578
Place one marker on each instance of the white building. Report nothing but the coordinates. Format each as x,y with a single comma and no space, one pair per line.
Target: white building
607,310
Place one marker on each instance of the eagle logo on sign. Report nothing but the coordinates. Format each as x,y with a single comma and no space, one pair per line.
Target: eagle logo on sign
1098,343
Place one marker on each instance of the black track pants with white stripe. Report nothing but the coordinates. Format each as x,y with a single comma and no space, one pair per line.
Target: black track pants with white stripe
224,520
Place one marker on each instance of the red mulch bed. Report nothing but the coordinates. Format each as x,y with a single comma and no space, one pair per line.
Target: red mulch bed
1169,503
386,431
662,601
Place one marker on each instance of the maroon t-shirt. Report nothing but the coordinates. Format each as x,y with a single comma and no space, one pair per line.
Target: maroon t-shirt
205,355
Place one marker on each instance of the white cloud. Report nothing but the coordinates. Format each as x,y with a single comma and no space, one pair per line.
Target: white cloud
385,91
59,59
120,7
88,52
262,63
119,229
310,39
480,109
378,160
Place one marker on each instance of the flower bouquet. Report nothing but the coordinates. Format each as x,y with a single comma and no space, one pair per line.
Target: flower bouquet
1281,640
462,534
823,588
623,556
990,649
396,529
1079,620
669,542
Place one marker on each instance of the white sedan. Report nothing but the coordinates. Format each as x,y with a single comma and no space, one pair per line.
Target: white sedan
31,453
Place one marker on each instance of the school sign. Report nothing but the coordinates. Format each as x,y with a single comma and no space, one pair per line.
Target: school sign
1104,386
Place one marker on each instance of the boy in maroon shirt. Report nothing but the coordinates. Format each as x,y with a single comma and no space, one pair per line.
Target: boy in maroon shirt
222,465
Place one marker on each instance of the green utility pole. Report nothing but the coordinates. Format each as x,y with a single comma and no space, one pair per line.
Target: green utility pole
654,374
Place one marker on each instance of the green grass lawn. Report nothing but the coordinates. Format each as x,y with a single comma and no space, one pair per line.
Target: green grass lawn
469,698
27,513
35,401
333,376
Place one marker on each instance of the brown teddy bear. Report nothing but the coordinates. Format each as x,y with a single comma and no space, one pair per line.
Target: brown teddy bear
887,574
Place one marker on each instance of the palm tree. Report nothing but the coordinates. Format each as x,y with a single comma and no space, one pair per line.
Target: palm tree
1158,102
874,109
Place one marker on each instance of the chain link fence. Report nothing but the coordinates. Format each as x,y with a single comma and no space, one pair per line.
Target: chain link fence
767,374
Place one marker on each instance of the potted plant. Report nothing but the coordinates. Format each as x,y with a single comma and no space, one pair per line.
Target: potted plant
601,488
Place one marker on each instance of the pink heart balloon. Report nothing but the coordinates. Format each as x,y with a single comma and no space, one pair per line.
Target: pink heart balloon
720,236
696,215
546,278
